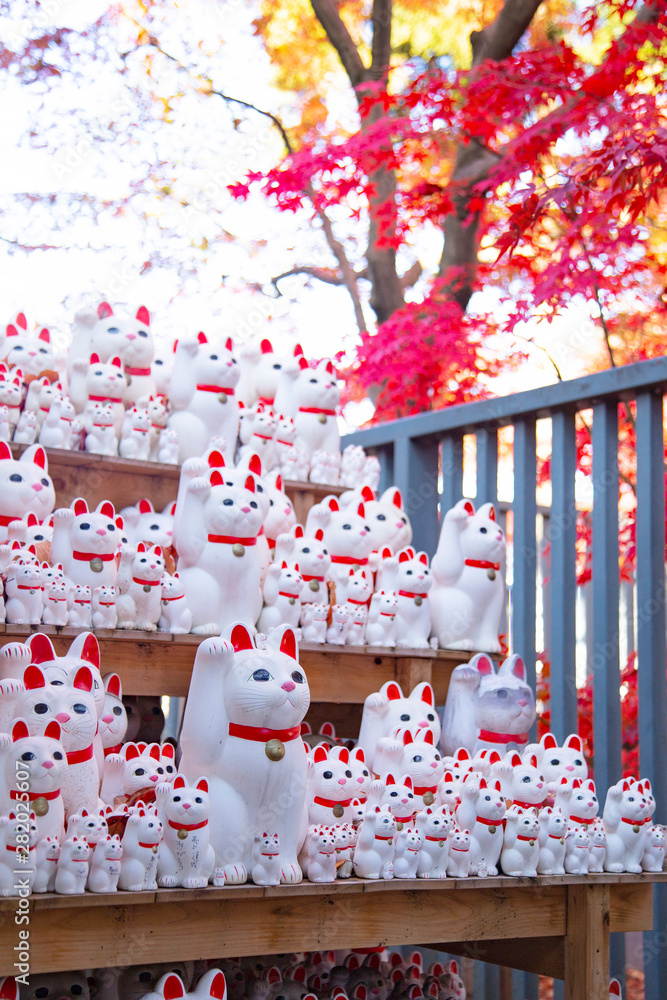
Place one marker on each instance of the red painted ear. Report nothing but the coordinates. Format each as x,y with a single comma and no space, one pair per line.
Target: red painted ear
41,649
288,643
106,508
574,742
39,458
90,651
202,338
218,987
32,520
216,479
429,738
94,358
423,559
11,331
358,754
302,363
154,752
330,368
83,679
333,504
351,573
34,678
229,344
299,974
45,336
626,786
143,316
141,547
240,638
5,450
484,665
576,783
519,669
449,777
279,483
104,310
250,484
549,742
266,347
167,750
202,785
119,524
9,989
452,966
344,755
390,780
52,731
172,988
131,751
427,695
361,510
482,783
298,531
113,685
407,737
397,499
116,361
321,753
255,465
20,730
492,513
179,781
614,988
22,321
145,507
498,787
467,506
533,760
516,760
404,557
408,782
319,535
367,494
274,975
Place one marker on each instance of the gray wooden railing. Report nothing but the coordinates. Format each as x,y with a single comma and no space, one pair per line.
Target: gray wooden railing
424,456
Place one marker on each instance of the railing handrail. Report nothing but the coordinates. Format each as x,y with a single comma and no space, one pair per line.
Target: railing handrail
580,393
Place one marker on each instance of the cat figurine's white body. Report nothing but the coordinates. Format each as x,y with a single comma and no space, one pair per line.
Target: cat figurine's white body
56,429
346,536
340,624
138,865
33,768
374,853
25,486
625,813
103,606
313,621
55,611
81,612
108,334
72,867
482,811
219,559
469,591
85,543
389,709
317,395
488,710
321,861
312,557
17,853
458,862
412,584
24,596
47,854
202,397
138,605
266,866
577,846
381,628
27,428
158,412
168,447
105,865
553,831
100,429
103,382
135,441
521,848
406,854
598,846
186,855
282,597
175,614
653,858
434,827
331,786
241,728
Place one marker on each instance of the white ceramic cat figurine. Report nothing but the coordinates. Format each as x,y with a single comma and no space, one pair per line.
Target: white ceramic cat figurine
186,856
168,447
317,395
331,786
56,429
385,517
577,845
138,865
5,433
27,428
72,867
219,560
434,827
521,849
412,584
175,615
553,831
135,442
32,770
158,412
257,432
266,867
24,598
25,486
653,857
389,709
625,812
55,611
95,381
85,543
103,605
92,826
598,847
47,854
340,624
17,849
134,769
482,811
100,429
108,334
10,397
486,710
80,613
556,762
312,557
374,853
469,590
202,397
458,863
242,728
282,597
381,628
105,865
321,862
416,755
138,605
325,467
406,854
313,622
346,537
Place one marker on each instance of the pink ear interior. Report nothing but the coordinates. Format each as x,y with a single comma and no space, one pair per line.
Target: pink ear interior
288,643
20,730
143,316
34,678
266,347
393,692
484,665
113,685
83,679
241,638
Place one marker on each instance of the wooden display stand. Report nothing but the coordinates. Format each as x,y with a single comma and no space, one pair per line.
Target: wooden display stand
553,926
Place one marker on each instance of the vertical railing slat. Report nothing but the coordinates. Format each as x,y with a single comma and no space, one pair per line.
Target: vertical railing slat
524,546
416,475
651,647
452,469
525,986
487,466
385,457
562,538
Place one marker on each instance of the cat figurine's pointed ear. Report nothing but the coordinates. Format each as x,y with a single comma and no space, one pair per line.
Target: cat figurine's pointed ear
548,742
284,639
83,679
33,678
20,730
483,664
239,636
171,987
35,455
212,984
487,510
514,666
86,647
41,648
423,692
9,989
53,731
574,742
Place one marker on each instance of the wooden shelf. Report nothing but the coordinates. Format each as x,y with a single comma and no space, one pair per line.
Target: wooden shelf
88,931
125,482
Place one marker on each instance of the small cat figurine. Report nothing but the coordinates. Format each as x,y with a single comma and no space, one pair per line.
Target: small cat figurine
33,768
105,865
282,597
103,605
389,709
313,621
553,831
80,613
374,854
469,591
434,827
138,865
131,339
317,395
331,786
346,537
340,623
321,861
389,524
85,543
48,852
138,605
100,429
18,836
158,412
415,755
56,429
558,762
136,767
135,441
55,604
72,867
653,857
10,397
175,615
482,811
186,857
521,848
458,862
412,584
625,812
406,855
168,447
96,381
33,352
381,628
24,592
27,428
266,867
598,848
577,845
312,557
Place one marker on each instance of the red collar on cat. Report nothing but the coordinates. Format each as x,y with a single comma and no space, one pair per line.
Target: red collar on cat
404,819
488,737
330,802
283,593
385,838
408,593
29,586
307,579
349,560
231,540
489,822
482,564
146,583
520,836
216,388
137,371
89,556
188,826
79,756
352,600
6,519
580,819
31,796
423,789
116,749
633,822
436,840
317,409
165,600
105,399
258,734
20,847
264,437
527,805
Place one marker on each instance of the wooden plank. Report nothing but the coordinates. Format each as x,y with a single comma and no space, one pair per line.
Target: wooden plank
214,926
542,956
587,942
630,907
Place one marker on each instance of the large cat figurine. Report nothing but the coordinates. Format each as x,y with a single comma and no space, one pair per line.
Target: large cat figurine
346,536
242,728
25,486
486,710
85,542
140,571
262,371
468,584
107,335
33,353
32,770
202,396
219,561
389,709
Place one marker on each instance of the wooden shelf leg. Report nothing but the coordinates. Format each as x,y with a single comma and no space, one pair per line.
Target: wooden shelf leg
587,942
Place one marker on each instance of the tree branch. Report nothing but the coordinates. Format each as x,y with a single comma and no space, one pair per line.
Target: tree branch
381,48
327,14
498,39
326,274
